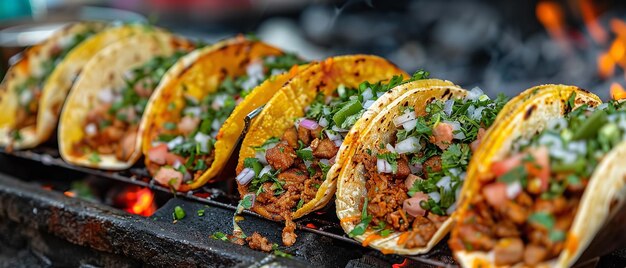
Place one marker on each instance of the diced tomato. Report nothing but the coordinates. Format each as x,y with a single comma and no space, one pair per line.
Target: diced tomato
412,205
443,135
158,154
479,137
501,167
171,159
495,193
169,177
539,167
188,124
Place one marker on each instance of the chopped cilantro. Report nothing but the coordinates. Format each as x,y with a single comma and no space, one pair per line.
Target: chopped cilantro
178,213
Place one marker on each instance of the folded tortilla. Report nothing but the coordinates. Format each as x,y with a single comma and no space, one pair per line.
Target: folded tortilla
106,71
200,74
528,114
41,67
351,182
290,102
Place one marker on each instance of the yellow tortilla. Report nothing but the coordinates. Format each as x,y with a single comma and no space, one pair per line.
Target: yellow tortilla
199,74
523,117
351,188
29,66
106,70
289,103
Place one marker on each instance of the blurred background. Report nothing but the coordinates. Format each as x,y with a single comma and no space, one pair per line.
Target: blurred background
500,46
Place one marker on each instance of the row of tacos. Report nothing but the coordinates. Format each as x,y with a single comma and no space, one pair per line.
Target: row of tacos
525,181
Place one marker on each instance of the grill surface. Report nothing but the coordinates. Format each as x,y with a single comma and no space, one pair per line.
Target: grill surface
321,229
323,242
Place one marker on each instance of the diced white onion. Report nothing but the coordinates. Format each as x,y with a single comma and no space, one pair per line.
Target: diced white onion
260,155
409,125
435,196
106,95
513,189
326,110
445,183
475,93
203,140
454,171
215,125
194,111
552,141
579,147
91,129
368,103
340,130
367,94
602,106
390,148
323,122
265,170
477,114
26,96
332,135
338,142
246,175
407,116
308,163
451,209
447,107
456,129
176,164
383,166
409,145
378,94
219,101
276,72
325,161
191,99
174,142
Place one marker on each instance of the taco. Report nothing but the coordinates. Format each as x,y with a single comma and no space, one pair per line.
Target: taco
100,121
26,84
286,156
543,182
196,115
398,189
31,127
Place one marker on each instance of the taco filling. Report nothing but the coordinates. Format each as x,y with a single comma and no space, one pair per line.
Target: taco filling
528,203
413,182
287,171
183,150
29,91
112,125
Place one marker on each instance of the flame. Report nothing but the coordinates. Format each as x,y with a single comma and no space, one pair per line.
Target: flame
138,201
589,13
144,202
400,265
69,193
617,92
550,15
616,53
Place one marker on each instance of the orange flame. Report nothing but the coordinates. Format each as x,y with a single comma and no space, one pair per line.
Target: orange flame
69,193
550,15
616,53
138,201
617,92
589,13
400,265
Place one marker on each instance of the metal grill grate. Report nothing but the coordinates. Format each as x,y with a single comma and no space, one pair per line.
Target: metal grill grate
322,222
